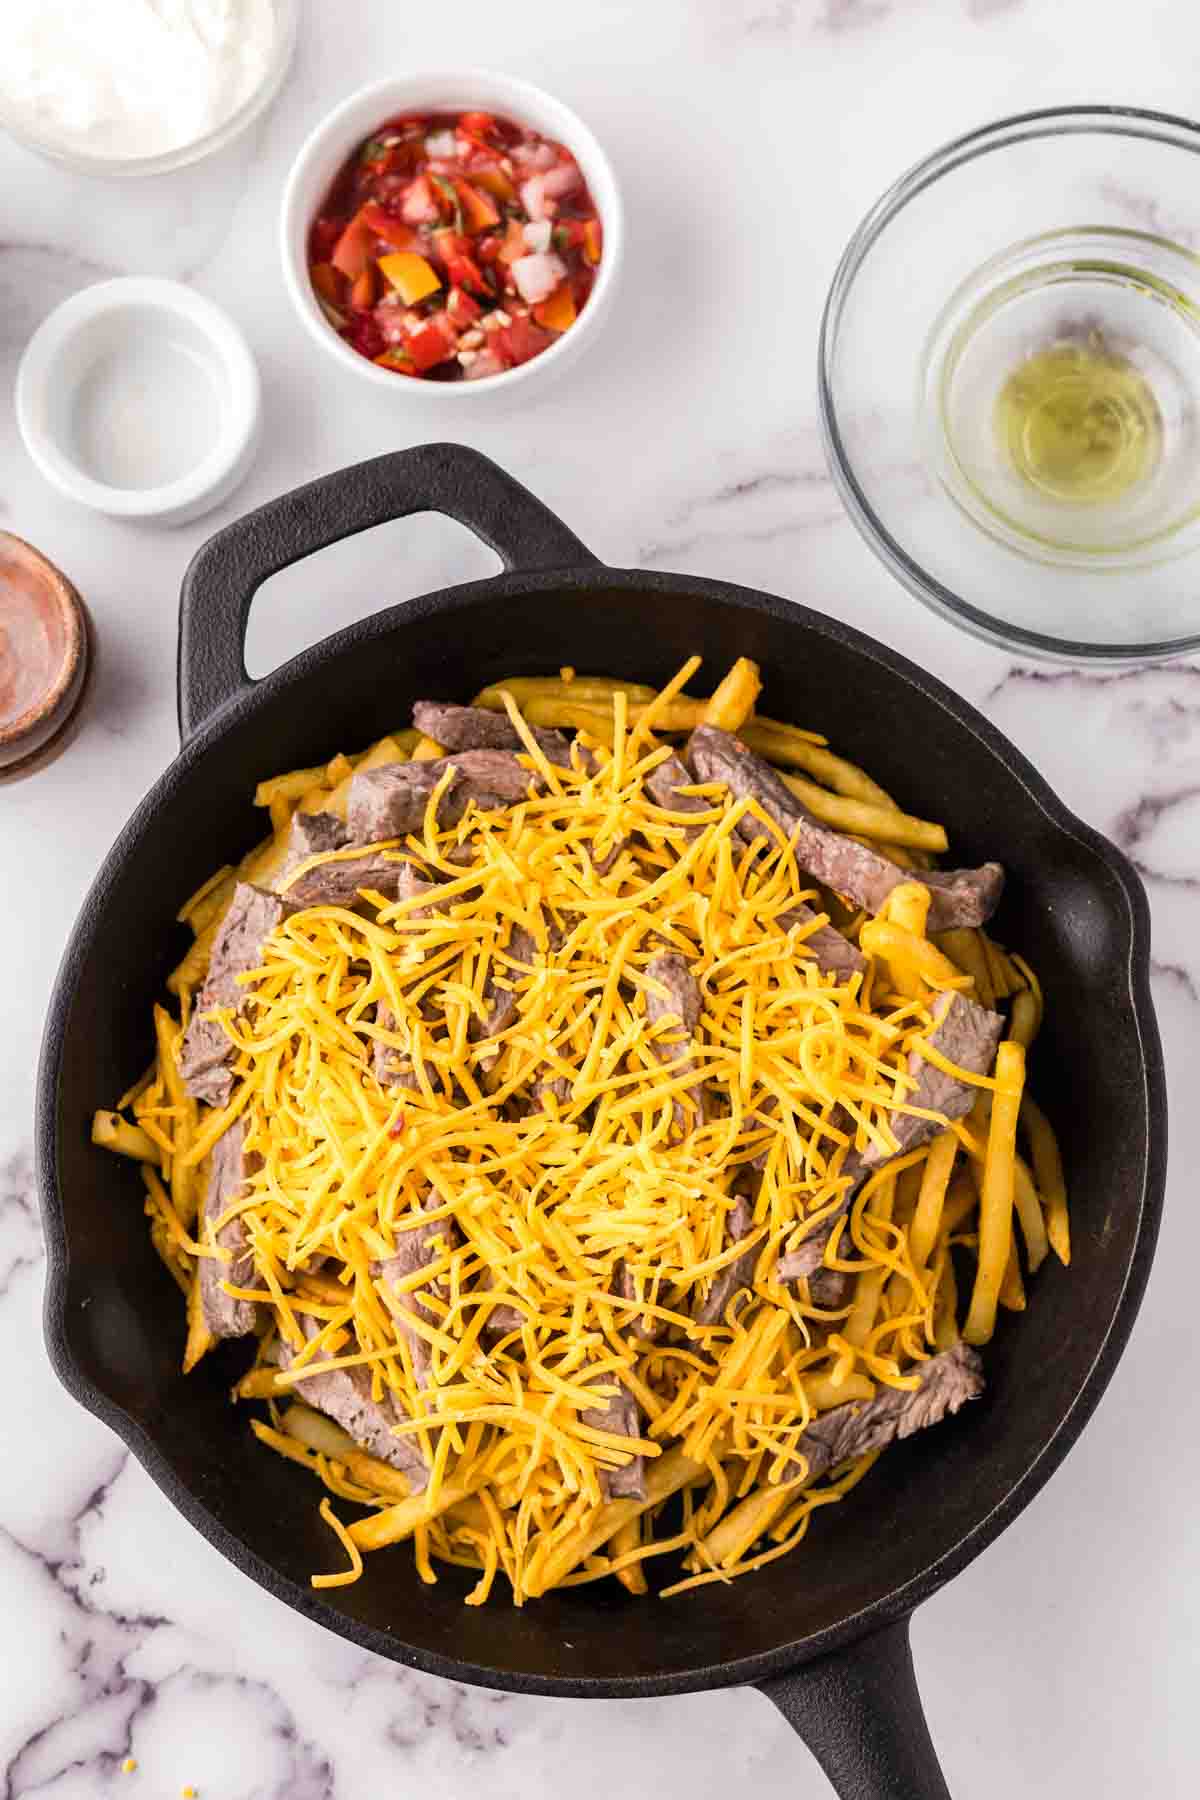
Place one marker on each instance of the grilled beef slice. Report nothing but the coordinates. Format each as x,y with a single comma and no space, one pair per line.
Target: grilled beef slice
619,1414
663,784
228,1167
390,801
959,896
948,1381
344,1395
475,728
965,1034
737,1274
416,1249
333,883
237,949
682,1003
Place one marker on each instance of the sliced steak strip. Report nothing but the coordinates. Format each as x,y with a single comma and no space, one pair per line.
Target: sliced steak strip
475,728
415,1249
390,802
502,1002
834,954
647,1326
948,1381
619,1414
735,1275
237,949
681,1003
959,896
333,883
344,1395
965,1034
228,1167
663,784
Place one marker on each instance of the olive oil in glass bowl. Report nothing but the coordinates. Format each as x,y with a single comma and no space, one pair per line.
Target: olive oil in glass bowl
1010,382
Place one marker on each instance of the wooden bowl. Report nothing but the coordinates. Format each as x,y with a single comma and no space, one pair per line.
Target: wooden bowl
44,653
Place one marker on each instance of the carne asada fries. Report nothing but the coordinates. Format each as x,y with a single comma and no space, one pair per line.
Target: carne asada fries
592,1134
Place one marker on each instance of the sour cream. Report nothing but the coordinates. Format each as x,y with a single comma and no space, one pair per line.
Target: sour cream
131,78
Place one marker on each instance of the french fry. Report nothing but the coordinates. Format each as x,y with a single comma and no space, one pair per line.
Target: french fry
935,1179
665,1476
945,1304
256,1384
908,907
289,786
1029,1212
629,1537
200,1339
395,1523
866,820
281,813
732,1536
821,1393
963,948
732,701
1012,1288
319,1433
996,1198
797,749
183,1184
597,689
427,750
338,768
1026,1018
1048,1173
879,937
111,1132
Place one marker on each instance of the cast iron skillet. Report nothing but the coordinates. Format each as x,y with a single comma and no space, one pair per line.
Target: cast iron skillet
825,1633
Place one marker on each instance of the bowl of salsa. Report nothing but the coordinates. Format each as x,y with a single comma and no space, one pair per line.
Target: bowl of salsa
457,232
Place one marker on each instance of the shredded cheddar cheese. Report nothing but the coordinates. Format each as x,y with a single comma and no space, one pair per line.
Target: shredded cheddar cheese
577,1184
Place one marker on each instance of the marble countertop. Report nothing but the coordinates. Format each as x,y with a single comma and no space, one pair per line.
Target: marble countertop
750,135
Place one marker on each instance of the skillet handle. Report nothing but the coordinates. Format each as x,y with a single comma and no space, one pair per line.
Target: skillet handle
226,572
860,1714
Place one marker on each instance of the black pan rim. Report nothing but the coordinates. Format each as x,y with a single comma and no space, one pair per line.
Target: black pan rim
887,1608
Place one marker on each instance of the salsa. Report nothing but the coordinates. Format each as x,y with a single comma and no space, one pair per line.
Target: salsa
453,246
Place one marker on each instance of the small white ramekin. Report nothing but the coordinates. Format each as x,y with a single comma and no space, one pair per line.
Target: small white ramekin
325,151
66,349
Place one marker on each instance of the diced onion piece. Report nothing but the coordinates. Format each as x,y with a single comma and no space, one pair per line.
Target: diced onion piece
441,143
537,276
537,235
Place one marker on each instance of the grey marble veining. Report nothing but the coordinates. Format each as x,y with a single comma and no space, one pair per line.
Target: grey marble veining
1065,1662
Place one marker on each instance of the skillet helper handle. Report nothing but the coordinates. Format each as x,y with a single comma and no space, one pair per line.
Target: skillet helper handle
860,1714
227,571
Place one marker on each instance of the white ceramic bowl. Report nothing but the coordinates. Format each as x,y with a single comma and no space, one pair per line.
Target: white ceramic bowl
87,162
141,399
325,151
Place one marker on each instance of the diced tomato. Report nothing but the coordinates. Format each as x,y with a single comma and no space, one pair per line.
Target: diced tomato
392,230
521,340
365,336
591,240
480,212
328,281
568,235
434,343
479,124
362,291
323,236
354,249
462,309
420,206
487,248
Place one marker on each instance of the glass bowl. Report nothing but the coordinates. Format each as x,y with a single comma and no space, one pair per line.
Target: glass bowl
1009,379
83,162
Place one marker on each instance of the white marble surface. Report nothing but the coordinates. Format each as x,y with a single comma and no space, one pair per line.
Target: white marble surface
750,135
